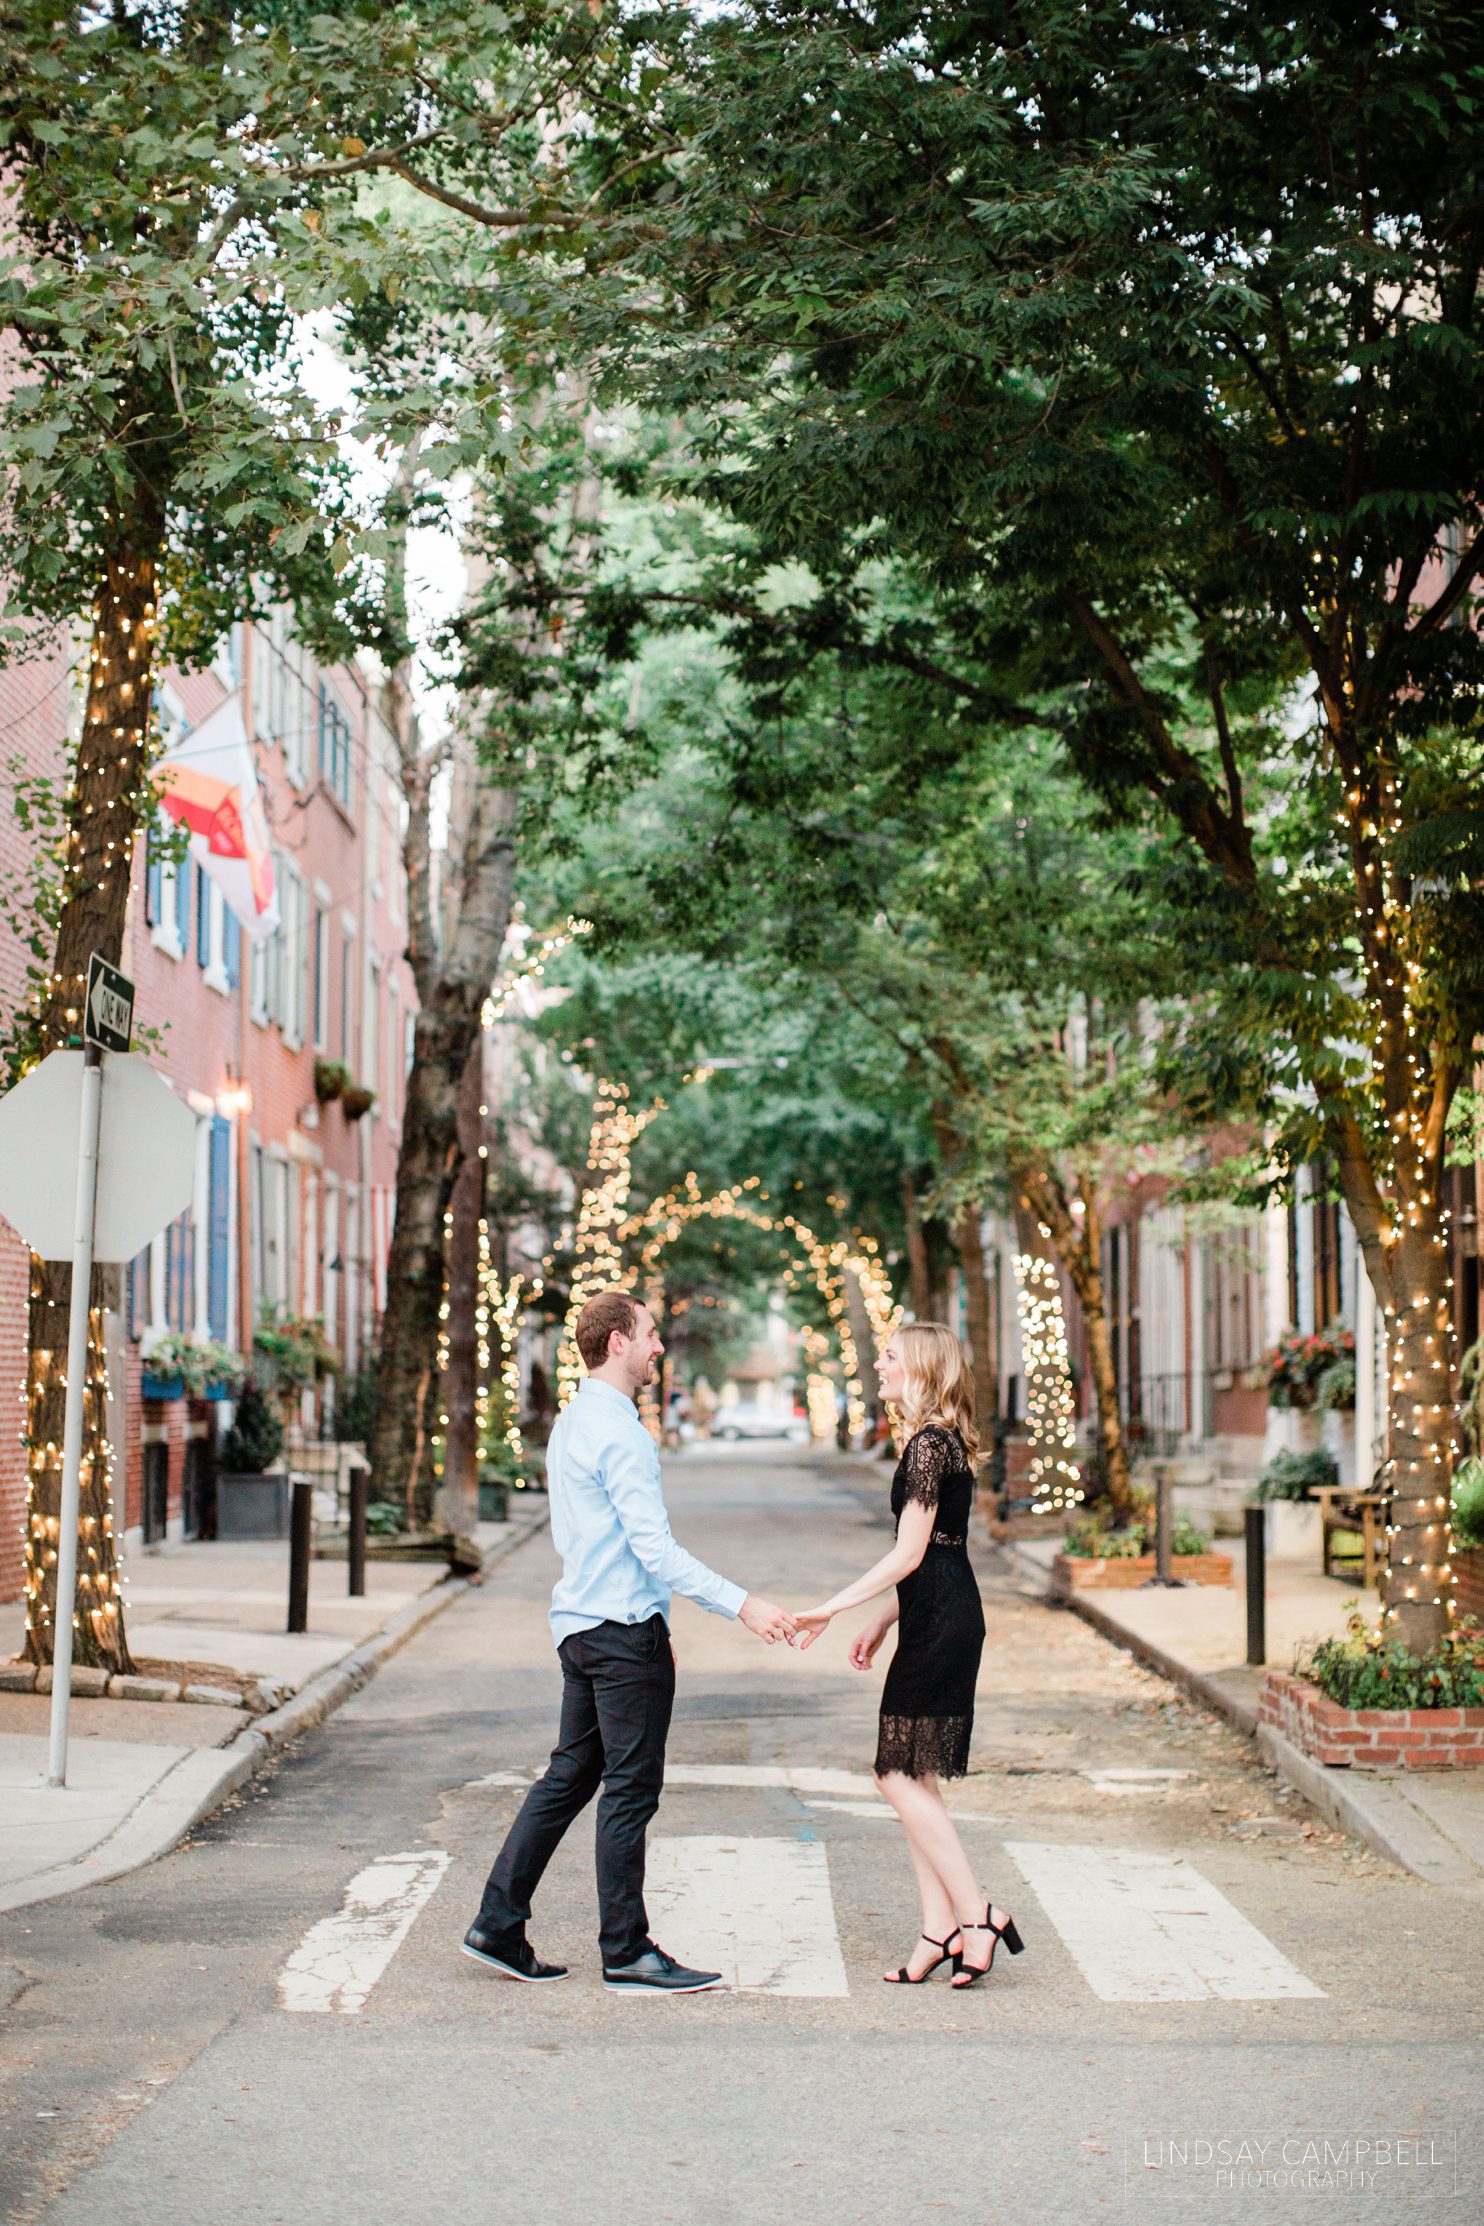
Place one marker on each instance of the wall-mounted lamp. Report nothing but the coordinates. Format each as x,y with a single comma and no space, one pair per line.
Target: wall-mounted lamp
234,1096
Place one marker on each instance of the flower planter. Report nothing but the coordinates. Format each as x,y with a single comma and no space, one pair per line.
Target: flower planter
1468,1580
252,1506
159,1388
1369,1738
1291,1530
1072,1573
355,1102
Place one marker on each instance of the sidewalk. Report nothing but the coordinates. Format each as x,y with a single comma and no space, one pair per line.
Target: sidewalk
140,1773
1431,1822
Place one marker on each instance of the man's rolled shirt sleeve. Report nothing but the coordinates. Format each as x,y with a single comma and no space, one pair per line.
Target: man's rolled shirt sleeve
632,1481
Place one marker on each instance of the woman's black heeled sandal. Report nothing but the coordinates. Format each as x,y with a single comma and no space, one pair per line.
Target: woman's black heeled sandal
969,1974
950,1955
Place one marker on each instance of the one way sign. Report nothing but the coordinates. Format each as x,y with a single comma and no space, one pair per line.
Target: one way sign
108,1016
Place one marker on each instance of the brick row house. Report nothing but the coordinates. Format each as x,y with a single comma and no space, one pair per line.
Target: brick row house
1194,1305
292,1205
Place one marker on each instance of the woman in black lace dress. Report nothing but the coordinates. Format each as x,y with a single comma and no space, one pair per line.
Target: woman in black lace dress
927,1702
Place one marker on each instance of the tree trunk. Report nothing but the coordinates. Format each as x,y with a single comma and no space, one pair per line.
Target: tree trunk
1415,1591
103,815
459,1496
446,1029
969,1241
1077,1243
919,1283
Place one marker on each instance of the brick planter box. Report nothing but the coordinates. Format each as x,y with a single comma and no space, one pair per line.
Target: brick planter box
1468,1581
1071,1573
1370,1738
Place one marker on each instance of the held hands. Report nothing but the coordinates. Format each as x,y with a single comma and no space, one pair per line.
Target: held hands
769,1622
813,1623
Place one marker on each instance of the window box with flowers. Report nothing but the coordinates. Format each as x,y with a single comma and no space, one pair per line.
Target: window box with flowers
1313,1370
180,1367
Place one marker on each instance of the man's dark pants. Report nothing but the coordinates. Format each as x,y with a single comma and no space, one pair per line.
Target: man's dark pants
618,1688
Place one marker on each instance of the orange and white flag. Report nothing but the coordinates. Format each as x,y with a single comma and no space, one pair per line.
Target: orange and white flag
210,784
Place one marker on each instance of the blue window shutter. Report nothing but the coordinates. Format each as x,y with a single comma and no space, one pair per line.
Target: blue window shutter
151,877
168,1241
220,1234
232,946
203,918
183,904
138,1308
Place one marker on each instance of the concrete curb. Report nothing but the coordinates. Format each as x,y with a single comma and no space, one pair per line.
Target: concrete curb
200,1782
1381,1816
1370,1808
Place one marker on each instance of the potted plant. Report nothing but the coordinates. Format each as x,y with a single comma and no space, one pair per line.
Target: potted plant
1287,1488
356,1101
252,1496
330,1080
296,1349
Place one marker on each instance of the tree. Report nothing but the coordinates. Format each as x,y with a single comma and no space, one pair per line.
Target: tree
185,185
1152,339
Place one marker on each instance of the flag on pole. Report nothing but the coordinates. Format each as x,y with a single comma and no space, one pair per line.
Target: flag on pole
209,783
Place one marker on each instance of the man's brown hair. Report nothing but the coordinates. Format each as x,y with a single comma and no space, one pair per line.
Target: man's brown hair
605,1312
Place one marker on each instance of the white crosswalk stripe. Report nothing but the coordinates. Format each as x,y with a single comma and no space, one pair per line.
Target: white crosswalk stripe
758,1910
1146,1927
1140,1926
341,1958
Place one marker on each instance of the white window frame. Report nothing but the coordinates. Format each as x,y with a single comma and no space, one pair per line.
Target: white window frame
214,973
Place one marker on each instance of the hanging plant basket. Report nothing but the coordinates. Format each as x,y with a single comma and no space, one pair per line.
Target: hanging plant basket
331,1080
356,1101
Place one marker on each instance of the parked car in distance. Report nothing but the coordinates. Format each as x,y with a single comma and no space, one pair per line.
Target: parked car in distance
748,1420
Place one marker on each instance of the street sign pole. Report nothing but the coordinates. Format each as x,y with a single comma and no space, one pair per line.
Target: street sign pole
77,1368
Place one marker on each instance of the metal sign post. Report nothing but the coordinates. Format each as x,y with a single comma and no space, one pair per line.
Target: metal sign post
77,1369
127,1179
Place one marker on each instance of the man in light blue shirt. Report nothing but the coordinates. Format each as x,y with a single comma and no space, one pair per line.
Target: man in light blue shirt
620,1565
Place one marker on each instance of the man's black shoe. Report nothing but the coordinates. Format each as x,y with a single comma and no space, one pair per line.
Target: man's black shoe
654,1972
514,1956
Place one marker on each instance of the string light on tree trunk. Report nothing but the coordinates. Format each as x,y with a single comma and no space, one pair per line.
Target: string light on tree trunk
1054,1479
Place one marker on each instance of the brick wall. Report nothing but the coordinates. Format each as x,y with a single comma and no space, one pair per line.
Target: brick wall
1370,1738
1468,1582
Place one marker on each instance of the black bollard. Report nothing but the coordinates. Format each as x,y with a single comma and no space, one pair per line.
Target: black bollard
1164,1538
301,1524
1162,1571
1254,1525
356,1547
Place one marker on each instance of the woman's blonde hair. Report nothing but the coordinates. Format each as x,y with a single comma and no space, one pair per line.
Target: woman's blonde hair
939,1383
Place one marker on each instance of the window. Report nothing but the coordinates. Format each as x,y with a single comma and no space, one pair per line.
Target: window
372,1046
167,891
320,977
393,1042
291,979
347,997
267,957
217,963
219,1229
334,744
283,691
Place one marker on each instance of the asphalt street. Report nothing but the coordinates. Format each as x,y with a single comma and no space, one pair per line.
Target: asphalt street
1223,2007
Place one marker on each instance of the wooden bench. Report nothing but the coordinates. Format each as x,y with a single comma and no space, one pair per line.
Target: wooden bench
1342,1509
